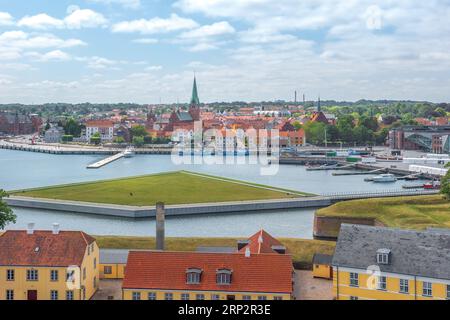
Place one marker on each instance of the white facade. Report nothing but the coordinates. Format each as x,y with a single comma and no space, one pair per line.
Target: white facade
106,132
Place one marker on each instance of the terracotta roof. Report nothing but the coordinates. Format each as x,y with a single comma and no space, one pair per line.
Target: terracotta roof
269,273
17,248
99,124
261,242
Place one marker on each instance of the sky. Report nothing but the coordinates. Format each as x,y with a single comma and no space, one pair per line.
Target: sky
147,51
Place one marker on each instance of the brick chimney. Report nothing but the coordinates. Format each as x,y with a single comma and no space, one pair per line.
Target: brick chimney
160,225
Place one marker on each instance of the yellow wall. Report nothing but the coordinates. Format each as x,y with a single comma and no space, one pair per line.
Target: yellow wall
322,271
160,295
117,271
44,285
392,292
91,271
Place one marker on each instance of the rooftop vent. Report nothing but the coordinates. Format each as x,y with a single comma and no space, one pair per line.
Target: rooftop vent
55,228
247,253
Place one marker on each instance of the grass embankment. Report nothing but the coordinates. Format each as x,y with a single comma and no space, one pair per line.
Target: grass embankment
405,212
302,250
171,188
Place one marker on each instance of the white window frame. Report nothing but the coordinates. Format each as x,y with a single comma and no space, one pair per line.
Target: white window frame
54,275
354,279
10,295
10,275
70,295
151,296
168,296
32,275
246,297
215,297
54,295
185,296
448,292
427,289
200,296
404,283
136,296
382,283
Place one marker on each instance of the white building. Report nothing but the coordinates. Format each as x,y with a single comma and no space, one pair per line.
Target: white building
104,127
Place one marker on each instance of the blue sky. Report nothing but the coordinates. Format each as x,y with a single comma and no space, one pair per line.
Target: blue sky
146,51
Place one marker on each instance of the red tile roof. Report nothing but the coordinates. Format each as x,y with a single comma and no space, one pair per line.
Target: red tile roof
261,242
100,124
269,273
17,248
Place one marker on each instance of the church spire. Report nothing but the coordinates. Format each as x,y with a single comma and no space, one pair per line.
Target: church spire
195,100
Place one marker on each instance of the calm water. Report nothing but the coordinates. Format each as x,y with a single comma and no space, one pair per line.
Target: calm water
26,170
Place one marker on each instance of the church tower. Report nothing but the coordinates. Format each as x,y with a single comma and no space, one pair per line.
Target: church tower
194,109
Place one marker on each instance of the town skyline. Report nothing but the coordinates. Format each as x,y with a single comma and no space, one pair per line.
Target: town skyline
108,51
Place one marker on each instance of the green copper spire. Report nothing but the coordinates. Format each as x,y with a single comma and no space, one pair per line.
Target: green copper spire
195,100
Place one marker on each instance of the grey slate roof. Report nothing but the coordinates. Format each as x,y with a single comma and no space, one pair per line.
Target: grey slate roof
416,253
113,256
323,259
184,116
216,249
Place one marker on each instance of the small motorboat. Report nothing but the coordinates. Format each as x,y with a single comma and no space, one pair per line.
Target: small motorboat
129,153
384,178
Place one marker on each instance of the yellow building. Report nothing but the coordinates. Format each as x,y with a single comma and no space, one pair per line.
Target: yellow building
48,265
207,276
113,263
373,263
322,266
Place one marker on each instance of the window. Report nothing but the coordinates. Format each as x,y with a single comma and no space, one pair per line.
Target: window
223,277
246,297
9,294
353,298
69,295
136,296
151,296
168,296
383,256
185,296
200,297
107,270
215,297
53,275
193,276
262,298
95,263
10,275
277,298
70,276
53,295
95,282
84,273
32,275
382,283
354,279
448,292
404,286
89,250
427,289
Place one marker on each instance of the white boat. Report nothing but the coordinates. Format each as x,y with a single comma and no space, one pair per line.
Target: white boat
384,178
129,153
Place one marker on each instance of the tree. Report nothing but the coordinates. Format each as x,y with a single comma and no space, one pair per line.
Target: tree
138,131
67,138
297,125
138,141
445,183
6,213
72,128
96,138
119,140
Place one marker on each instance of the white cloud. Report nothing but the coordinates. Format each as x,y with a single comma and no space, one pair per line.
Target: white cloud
85,18
132,4
153,68
146,41
55,55
6,19
215,29
155,25
202,47
76,19
40,21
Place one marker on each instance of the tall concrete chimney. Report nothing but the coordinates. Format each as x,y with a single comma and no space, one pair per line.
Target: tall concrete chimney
160,225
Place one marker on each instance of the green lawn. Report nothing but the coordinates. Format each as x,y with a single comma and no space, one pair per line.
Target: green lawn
302,250
171,188
406,212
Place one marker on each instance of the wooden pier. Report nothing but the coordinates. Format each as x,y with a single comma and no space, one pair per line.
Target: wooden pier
106,161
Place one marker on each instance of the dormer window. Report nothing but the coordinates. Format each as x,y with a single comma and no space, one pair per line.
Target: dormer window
383,256
193,276
223,276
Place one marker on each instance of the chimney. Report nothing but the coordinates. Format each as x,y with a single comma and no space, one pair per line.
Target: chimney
160,225
56,228
247,253
30,228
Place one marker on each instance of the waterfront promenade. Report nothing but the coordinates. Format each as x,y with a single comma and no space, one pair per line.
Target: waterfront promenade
205,208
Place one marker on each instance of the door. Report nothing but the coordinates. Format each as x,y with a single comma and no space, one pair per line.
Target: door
231,297
32,295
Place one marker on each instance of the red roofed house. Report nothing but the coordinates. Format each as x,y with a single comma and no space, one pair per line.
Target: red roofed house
104,127
259,270
48,265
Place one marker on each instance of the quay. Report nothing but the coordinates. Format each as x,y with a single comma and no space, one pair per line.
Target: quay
203,208
106,161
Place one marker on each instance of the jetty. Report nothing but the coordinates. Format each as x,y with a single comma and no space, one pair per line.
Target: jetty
106,161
